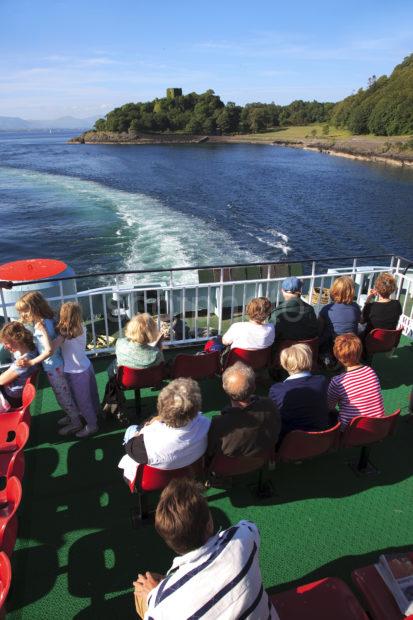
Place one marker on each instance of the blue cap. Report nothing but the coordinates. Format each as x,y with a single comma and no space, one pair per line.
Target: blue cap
292,285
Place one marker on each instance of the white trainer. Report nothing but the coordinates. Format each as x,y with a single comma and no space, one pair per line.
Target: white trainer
86,431
72,427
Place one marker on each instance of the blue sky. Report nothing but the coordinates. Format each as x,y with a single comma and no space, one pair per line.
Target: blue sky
80,58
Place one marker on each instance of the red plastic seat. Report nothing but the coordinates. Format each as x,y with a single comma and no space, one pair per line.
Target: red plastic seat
300,445
5,581
196,366
382,340
260,358
13,417
8,517
153,479
224,466
137,378
380,602
313,343
12,461
363,431
150,479
326,599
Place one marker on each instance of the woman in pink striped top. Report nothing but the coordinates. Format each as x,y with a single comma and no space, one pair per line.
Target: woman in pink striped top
357,390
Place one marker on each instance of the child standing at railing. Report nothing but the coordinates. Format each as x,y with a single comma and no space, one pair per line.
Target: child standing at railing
34,309
77,366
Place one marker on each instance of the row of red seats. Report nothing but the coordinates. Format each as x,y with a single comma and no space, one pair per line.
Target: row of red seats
208,365
296,446
14,434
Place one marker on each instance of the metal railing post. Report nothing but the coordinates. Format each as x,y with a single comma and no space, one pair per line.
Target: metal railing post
220,300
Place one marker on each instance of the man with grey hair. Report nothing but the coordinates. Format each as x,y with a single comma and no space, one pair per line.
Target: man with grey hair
250,425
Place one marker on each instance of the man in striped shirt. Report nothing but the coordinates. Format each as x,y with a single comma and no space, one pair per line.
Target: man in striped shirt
214,576
356,391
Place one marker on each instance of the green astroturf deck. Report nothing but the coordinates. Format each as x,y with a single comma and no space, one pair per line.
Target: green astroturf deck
77,553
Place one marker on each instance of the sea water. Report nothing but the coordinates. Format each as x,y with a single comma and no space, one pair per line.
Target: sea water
121,207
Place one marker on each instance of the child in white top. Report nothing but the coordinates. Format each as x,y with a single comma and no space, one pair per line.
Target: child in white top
77,366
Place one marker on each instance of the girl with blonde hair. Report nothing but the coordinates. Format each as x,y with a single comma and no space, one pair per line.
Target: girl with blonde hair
34,309
140,346
78,368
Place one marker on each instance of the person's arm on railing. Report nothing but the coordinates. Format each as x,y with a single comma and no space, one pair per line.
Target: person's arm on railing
366,308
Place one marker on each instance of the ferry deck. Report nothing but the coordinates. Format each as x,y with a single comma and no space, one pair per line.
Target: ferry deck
77,551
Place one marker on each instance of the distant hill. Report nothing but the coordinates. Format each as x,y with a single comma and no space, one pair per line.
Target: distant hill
13,123
385,108
10,123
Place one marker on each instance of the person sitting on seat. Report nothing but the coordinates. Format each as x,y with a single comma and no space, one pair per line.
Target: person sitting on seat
139,348
176,437
250,425
19,341
342,316
302,397
294,319
383,313
357,390
253,334
214,575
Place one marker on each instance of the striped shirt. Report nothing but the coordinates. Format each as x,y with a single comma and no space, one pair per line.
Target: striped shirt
221,579
356,392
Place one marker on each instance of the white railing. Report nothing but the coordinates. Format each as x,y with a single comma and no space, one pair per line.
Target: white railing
190,312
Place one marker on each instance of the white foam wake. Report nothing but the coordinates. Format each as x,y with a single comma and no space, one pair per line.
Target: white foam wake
147,233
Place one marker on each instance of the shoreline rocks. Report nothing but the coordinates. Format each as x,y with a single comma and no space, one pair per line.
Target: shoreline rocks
358,147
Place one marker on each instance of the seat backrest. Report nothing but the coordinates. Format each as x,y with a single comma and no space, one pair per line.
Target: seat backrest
5,578
363,430
13,434
153,479
196,366
29,394
13,493
313,343
320,600
22,435
223,465
8,517
260,358
382,340
300,445
136,378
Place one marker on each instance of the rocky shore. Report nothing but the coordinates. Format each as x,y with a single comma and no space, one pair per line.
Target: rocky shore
391,151
112,137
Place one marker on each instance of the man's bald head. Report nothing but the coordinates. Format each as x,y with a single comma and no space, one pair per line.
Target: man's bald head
238,382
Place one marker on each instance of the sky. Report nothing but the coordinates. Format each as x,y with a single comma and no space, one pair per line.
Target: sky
84,57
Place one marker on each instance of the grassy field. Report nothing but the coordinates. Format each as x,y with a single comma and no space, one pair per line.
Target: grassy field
298,133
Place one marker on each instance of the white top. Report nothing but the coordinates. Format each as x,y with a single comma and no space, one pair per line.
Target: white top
74,354
170,448
250,336
221,579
